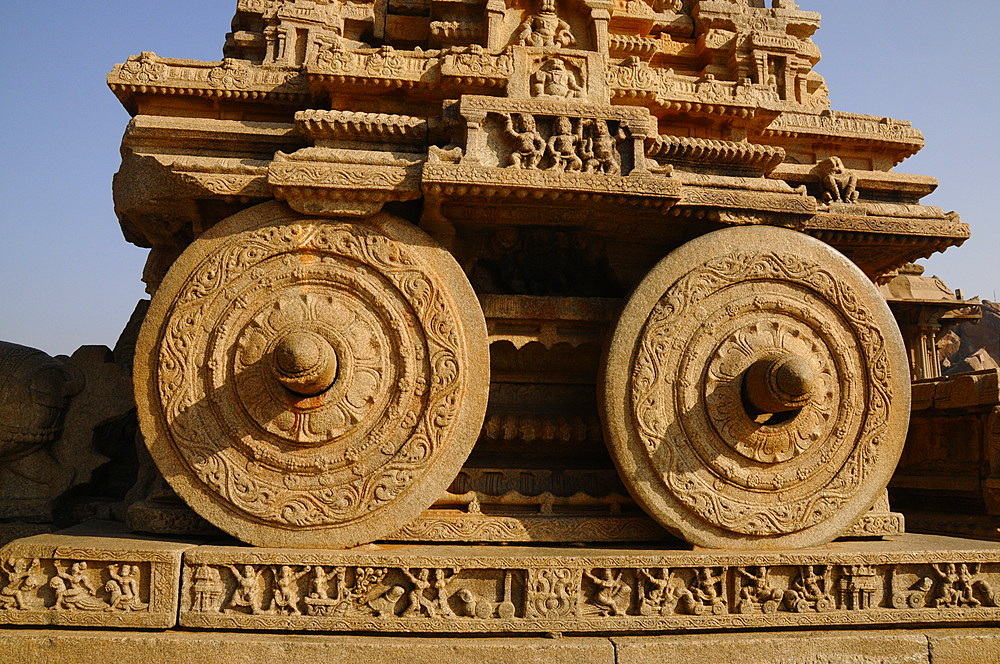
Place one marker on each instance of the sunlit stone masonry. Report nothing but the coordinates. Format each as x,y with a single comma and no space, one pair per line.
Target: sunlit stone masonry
515,317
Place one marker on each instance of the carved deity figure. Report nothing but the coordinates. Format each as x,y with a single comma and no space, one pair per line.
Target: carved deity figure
948,594
285,597
417,597
839,184
441,581
600,149
613,594
756,592
246,592
74,589
529,146
546,29
809,592
123,588
21,580
657,598
562,146
207,589
967,584
319,584
556,79
707,590
957,586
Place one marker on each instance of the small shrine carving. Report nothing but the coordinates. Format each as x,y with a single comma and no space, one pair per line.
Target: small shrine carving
545,29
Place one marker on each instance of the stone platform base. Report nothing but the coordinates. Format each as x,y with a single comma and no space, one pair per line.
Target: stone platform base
980,645
108,579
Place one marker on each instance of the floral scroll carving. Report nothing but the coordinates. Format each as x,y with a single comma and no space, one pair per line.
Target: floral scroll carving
238,413
728,465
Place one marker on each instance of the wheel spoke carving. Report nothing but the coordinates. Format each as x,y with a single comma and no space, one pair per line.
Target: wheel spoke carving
309,381
756,391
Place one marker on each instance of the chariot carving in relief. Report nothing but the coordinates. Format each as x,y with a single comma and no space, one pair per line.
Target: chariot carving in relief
519,271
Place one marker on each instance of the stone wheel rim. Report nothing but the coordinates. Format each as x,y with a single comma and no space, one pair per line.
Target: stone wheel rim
312,382
681,422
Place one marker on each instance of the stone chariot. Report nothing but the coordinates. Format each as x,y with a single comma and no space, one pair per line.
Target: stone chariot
475,282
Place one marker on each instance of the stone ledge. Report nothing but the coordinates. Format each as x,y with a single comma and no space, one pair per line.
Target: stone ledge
76,647
64,646
903,647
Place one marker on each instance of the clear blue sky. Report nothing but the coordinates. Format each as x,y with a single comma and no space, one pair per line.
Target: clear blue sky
68,278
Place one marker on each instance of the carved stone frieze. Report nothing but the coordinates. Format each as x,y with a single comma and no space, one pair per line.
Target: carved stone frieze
522,590
385,63
475,63
314,181
89,581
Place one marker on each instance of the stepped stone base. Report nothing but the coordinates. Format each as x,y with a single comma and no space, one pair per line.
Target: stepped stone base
929,646
105,579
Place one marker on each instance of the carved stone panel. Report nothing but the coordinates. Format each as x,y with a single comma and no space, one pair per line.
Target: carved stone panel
90,581
434,589
756,391
311,382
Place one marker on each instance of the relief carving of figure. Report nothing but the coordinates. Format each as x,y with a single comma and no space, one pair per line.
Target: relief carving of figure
21,581
756,593
546,29
613,594
124,588
562,146
74,589
419,602
529,146
966,579
707,590
600,149
356,599
247,589
441,581
957,586
839,184
810,592
285,597
657,596
319,583
948,593
556,79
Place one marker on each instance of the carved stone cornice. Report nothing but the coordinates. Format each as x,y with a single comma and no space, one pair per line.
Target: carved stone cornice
359,126
895,135
314,185
683,150
150,74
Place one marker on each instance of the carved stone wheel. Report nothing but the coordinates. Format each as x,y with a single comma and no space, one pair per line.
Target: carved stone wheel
756,391
310,382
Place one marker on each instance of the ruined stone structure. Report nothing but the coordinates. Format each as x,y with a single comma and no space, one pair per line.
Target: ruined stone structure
516,271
